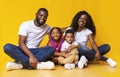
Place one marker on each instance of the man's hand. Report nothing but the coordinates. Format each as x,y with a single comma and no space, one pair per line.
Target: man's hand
33,61
97,56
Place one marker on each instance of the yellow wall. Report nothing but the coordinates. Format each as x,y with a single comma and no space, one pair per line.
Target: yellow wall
104,12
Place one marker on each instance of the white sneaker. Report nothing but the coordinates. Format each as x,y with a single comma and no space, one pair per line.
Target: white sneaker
111,62
69,66
13,65
46,65
82,62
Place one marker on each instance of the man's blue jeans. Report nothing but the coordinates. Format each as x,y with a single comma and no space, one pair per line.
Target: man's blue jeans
42,54
90,53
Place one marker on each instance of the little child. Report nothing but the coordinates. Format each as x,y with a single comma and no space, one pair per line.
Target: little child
56,40
69,46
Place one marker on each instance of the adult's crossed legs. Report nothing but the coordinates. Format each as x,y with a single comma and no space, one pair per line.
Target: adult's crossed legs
90,53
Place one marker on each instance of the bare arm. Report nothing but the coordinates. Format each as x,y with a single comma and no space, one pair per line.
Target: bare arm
57,54
71,48
94,46
22,40
32,60
61,54
75,46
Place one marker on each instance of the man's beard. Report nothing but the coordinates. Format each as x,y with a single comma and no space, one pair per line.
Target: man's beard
40,22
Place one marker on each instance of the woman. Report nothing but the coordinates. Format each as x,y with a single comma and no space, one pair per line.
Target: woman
84,28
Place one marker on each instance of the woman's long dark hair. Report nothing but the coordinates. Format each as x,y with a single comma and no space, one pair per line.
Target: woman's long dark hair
89,24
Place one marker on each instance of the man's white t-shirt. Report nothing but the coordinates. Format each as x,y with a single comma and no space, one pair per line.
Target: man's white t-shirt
82,36
65,45
33,33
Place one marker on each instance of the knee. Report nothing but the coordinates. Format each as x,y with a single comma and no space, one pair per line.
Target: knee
76,57
7,47
107,46
51,49
84,48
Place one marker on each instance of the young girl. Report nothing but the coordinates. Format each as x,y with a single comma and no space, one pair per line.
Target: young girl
56,40
84,29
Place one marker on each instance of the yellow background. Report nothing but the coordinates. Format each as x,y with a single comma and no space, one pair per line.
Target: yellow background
105,13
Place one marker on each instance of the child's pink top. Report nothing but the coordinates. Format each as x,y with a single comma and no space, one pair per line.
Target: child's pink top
58,47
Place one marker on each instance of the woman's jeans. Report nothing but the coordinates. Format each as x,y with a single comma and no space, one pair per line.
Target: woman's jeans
90,53
42,54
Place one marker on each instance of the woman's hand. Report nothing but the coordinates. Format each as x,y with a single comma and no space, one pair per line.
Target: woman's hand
94,46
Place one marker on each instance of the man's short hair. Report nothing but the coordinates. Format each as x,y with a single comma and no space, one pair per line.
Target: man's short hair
42,9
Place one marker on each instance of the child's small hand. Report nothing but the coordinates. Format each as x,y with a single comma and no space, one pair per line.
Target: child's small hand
70,48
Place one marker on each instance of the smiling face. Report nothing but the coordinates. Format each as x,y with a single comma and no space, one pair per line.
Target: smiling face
69,37
41,17
55,34
82,20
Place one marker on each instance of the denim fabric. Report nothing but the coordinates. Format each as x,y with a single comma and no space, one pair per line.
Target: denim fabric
90,53
42,54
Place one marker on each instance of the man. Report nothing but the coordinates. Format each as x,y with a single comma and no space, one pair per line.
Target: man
27,53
